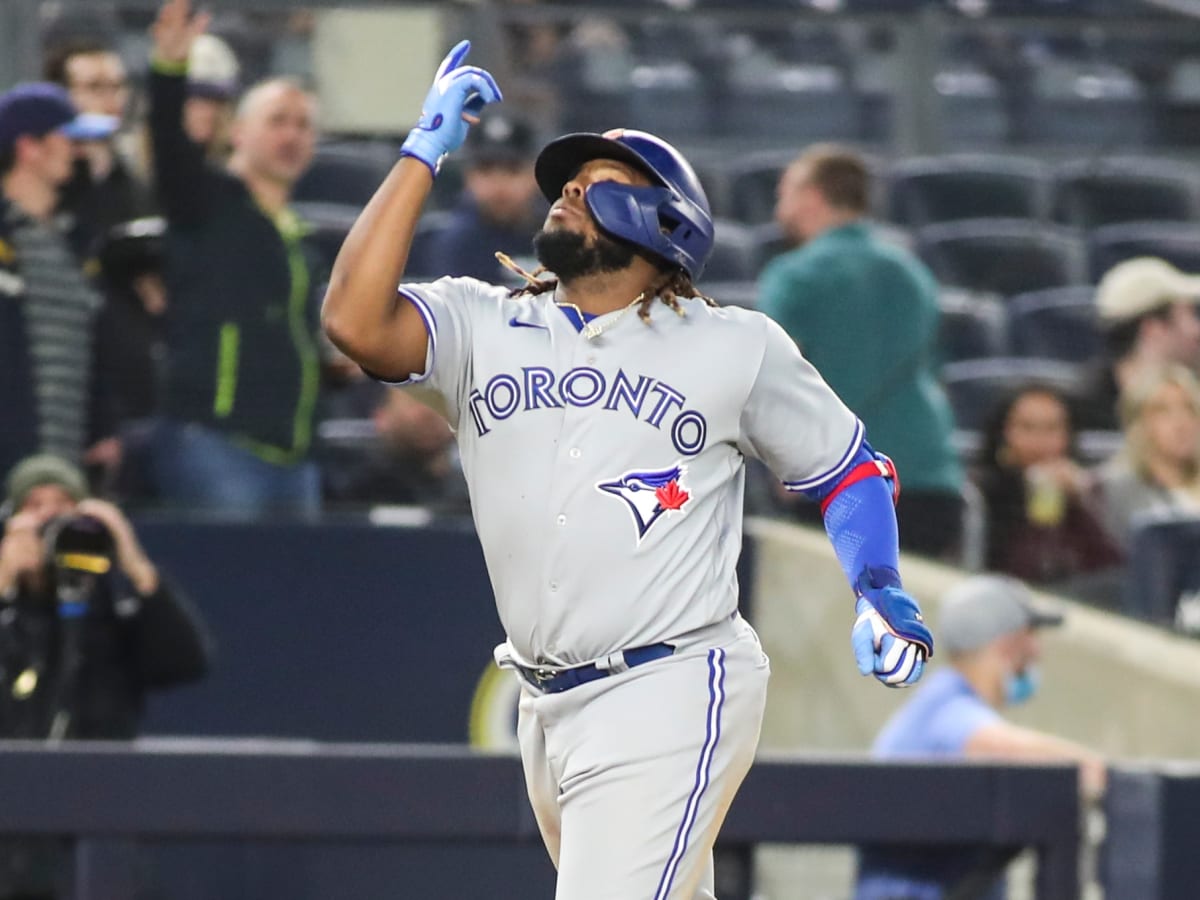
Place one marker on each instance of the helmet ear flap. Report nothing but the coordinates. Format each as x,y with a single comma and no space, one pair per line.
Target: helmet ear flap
656,219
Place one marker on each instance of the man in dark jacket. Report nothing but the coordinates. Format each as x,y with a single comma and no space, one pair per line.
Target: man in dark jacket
88,625
50,399
243,371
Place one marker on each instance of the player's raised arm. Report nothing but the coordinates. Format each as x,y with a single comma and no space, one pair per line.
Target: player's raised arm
362,313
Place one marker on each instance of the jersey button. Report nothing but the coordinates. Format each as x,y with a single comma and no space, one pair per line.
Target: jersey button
554,586
562,520
576,453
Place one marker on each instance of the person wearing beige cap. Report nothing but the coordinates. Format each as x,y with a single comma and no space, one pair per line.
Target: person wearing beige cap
212,88
988,630
1147,309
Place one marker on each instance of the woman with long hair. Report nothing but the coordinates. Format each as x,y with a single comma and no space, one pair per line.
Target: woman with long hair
1041,524
1156,474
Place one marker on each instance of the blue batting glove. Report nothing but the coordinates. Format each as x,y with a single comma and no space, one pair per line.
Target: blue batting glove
890,638
457,91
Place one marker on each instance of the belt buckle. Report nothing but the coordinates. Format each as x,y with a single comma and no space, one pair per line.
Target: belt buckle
541,675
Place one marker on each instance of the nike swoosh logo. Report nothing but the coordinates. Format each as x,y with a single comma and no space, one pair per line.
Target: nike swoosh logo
516,324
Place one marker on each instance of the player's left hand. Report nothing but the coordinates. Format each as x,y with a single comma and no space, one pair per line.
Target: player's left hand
890,638
453,103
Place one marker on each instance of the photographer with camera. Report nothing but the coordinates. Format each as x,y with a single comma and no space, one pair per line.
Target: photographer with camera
87,624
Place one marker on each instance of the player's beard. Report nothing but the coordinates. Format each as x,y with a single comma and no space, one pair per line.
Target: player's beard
570,255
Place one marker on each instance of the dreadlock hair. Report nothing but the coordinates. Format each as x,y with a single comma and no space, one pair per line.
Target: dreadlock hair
677,286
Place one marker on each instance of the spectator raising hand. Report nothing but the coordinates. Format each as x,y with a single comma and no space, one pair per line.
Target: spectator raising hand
175,29
242,387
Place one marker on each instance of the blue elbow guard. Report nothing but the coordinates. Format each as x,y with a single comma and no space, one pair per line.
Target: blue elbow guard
860,515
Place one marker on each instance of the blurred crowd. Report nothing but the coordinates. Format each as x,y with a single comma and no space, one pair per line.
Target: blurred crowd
167,227
169,275
165,331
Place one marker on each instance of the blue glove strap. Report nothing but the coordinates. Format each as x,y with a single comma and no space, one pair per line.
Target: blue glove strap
420,145
896,608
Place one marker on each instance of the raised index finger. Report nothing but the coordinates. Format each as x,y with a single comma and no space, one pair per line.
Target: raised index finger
453,59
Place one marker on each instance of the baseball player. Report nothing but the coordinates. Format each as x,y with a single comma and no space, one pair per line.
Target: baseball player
603,417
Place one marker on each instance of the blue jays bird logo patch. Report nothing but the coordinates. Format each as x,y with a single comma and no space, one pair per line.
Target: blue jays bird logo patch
650,494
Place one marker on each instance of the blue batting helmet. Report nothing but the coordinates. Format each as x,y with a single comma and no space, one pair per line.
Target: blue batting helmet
670,220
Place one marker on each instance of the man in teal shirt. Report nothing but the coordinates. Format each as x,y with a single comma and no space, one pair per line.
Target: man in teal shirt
865,313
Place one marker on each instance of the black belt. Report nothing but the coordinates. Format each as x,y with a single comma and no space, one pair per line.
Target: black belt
553,681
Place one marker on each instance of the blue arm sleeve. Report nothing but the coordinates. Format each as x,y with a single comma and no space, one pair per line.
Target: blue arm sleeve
861,524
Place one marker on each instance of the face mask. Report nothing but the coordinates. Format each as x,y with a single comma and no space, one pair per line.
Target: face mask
1020,686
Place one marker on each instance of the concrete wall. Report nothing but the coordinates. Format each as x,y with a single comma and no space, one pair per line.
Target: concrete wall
1124,688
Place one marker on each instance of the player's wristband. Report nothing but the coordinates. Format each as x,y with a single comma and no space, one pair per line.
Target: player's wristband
421,146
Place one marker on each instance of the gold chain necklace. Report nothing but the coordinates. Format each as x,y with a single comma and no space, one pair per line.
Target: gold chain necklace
595,328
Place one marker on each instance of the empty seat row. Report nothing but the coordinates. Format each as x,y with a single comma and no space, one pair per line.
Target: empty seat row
1080,193
738,253
1057,324
911,192
927,190
1014,256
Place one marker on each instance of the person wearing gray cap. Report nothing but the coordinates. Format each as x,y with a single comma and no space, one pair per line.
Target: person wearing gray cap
988,629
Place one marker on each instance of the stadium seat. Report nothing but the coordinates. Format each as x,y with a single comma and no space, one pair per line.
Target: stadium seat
346,173
1162,583
1179,114
1004,256
1084,104
735,255
750,185
974,108
927,190
771,242
1178,243
1091,193
790,102
595,109
420,265
977,386
972,326
1059,323
668,99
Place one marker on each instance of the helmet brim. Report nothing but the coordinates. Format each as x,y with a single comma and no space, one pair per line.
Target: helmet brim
563,157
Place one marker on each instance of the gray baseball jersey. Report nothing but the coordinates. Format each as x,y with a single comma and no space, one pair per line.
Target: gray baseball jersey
606,471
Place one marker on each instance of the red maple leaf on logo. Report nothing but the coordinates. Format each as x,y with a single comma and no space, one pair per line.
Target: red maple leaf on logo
671,496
